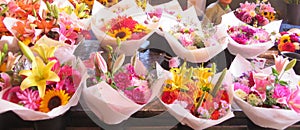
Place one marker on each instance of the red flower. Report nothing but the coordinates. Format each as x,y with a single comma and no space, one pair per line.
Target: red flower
225,96
126,22
169,97
215,115
251,80
288,47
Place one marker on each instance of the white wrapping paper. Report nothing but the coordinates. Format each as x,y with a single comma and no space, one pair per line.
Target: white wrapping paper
127,47
264,117
31,115
185,117
253,50
113,107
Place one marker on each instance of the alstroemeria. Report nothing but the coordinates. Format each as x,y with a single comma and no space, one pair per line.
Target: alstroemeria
39,75
280,63
293,100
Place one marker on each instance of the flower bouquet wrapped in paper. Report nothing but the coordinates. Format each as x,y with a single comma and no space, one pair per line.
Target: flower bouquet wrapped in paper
259,14
119,90
60,24
249,42
198,97
37,85
191,42
269,97
18,10
128,28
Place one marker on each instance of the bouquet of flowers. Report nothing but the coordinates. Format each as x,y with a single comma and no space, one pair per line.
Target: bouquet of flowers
248,41
128,28
37,85
269,97
119,90
289,41
191,42
198,97
18,10
56,21
255,14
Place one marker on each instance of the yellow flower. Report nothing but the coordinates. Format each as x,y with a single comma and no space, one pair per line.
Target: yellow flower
140,28
123,33
39,75
53,99
284,39
271,16
203,75
241,94
82,10
252,13
44,51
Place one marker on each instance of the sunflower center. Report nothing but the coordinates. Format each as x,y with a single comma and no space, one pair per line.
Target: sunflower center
121,34
285,40
54,102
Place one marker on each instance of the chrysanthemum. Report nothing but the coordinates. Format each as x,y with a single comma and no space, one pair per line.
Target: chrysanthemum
29,99
123,33
53,99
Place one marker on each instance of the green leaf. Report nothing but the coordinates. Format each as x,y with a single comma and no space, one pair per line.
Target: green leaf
131,88
5,48
284,83
114,86
219,83
290,65
274,72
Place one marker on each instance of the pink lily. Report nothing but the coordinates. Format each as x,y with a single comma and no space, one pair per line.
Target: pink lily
6,80
280,63
261,83
293,100
66,34
100,62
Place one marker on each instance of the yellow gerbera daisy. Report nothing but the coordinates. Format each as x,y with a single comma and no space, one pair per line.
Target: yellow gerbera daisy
284,39
53,99
123,33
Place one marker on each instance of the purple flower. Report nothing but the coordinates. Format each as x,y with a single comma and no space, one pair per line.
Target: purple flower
294,38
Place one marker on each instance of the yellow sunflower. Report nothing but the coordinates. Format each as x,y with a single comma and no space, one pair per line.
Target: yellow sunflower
53,99
284,39
271,16
123,33
140,28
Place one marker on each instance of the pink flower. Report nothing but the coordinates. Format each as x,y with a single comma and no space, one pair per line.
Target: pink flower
122,80
242,87
261,86
280,63
281,93
65,34
186,39
29,98
141,94
293,100
174,62
100,62
247,6
266,8
5,77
